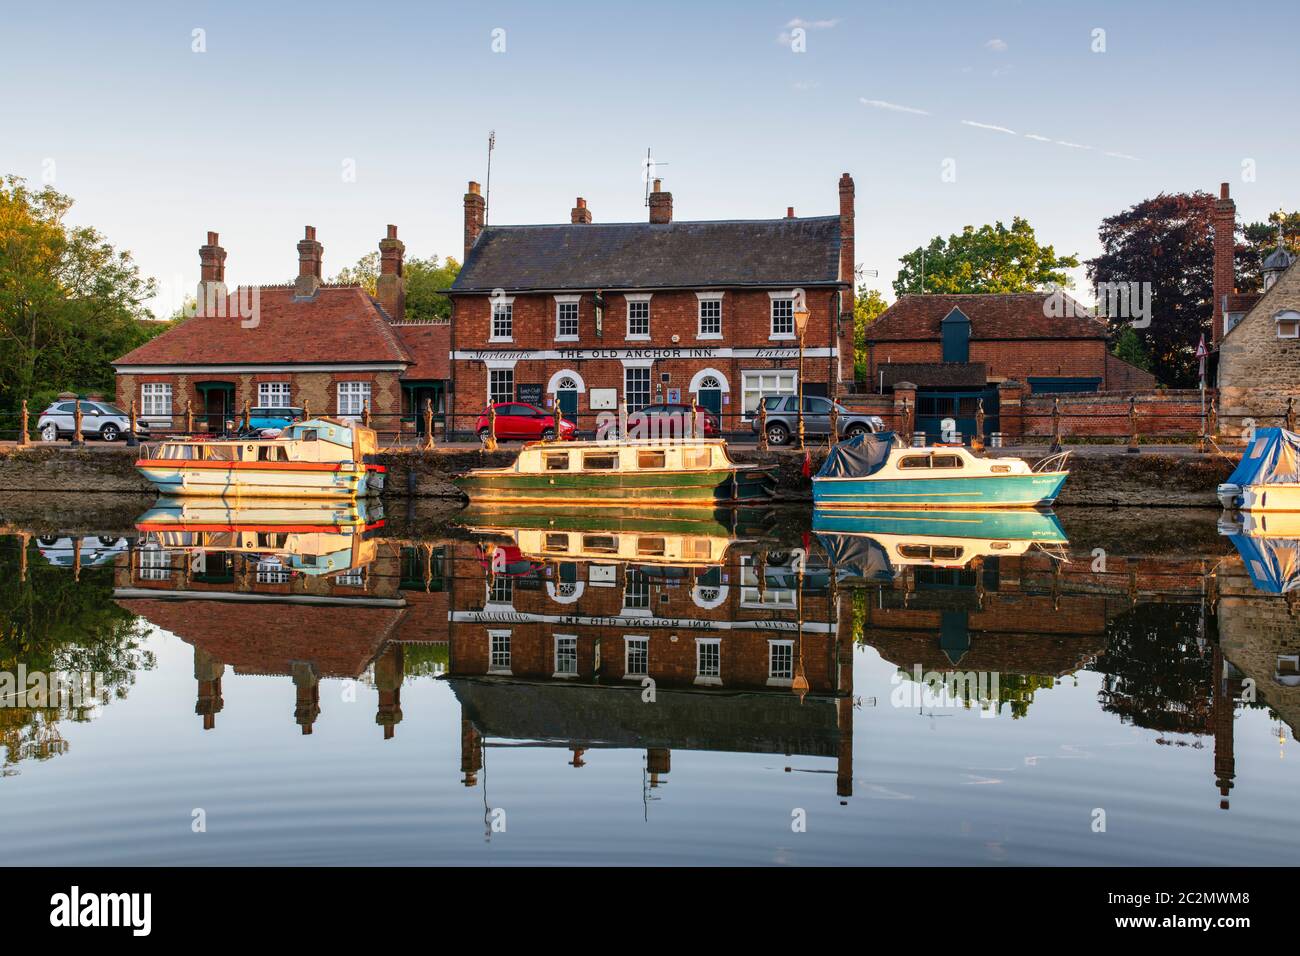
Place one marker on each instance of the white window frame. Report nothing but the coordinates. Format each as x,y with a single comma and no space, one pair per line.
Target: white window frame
751,596
270,393
638,299
155,563
627,391
568,675
156,399
642,640
492,372
499,660
785,298
353,398
273,572
501,307
773,678
711,299
710,680
564,304
1290,319
750,394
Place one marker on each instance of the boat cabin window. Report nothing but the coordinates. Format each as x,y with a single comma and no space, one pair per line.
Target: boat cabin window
556,461
272,453
650,547
946,461
914,461
223,452
271,539
695,458
651,459
931,461
1000,469
697,548
556,541
933,552
309,434
600,461
600,543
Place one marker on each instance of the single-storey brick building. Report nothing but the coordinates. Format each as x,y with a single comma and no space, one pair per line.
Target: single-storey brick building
592,316
334,349
958,349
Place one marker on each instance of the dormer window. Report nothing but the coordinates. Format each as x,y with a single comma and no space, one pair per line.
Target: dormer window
1288,324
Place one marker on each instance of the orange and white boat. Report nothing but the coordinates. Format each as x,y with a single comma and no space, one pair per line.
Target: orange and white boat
318,458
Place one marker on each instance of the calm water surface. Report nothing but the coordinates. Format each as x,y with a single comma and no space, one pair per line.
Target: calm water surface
762,687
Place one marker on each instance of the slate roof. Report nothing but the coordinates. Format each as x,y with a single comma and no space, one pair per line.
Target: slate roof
993,316
338,324
640,255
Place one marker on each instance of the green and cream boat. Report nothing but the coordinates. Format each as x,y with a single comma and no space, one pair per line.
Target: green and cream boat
645,471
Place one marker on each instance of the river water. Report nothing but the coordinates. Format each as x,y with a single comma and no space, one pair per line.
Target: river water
764,687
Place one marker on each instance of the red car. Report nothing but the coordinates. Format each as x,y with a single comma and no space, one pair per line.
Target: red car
518,420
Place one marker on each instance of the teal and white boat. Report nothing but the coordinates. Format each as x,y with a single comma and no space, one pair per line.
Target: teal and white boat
875,471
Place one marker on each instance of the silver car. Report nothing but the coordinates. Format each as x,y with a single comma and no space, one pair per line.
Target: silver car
783,418
98,420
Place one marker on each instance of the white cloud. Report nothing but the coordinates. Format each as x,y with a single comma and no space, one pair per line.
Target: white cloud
996,129
996,45
1035,136
1124,156
897,108
1061,142
803,85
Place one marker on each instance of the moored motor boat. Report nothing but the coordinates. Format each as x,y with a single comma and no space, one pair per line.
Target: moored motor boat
1268,476
642,471
873,470
318,458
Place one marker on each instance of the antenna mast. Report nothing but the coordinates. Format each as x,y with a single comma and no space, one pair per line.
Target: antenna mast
487,199
648,166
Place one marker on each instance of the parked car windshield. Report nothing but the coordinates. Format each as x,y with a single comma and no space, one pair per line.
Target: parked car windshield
111,410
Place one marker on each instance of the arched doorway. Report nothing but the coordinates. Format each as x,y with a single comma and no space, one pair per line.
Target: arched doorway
708,386
565,386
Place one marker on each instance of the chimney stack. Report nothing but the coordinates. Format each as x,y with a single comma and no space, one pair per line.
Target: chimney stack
310,253
661,204
212,293
846,236
1225,247
580,213
390,287
475,206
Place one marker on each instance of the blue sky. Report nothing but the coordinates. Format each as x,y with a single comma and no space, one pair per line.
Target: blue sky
157,143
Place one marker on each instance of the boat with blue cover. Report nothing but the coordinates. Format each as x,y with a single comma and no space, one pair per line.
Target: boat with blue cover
876,471
1268,476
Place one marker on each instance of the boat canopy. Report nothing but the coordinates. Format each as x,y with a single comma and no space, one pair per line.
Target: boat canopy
857,556
323,429
1273,563
1273,458
858,457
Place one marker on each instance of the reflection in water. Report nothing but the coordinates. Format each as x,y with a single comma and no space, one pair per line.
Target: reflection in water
695,632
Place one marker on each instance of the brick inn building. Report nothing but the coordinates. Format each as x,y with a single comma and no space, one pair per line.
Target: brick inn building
592,316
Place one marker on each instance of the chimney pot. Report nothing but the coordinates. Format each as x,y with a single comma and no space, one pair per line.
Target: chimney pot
579,213
1223,190
789,212
392,232
661,204
473,188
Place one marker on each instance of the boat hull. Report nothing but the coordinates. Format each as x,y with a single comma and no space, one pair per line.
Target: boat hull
619,488
1020,524
1270,497
236,479
983,491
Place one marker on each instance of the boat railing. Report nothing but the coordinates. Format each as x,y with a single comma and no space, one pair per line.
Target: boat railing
1051,463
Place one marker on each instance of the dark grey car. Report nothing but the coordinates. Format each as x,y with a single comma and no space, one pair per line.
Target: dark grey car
783,419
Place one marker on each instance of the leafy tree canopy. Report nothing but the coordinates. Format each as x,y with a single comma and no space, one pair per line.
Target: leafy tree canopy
69,302
867,307
424,277
988,259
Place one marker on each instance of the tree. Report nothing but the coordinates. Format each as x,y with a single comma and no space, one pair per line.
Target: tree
1166,241
988,259
424,279
1261,240
69,302
1128,347
867,307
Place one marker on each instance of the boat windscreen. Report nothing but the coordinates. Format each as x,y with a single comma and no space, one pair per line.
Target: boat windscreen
1272,563
858,457
1272,458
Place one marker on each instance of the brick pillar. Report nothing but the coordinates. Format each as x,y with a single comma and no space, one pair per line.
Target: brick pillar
1225,243
1011,412
310,255
212,293
475,207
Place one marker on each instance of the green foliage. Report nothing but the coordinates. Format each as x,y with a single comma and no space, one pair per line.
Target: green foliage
69,302
1128,346
867,307
988,259
424,279
1261,240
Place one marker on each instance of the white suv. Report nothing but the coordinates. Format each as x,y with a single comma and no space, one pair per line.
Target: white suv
98,420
